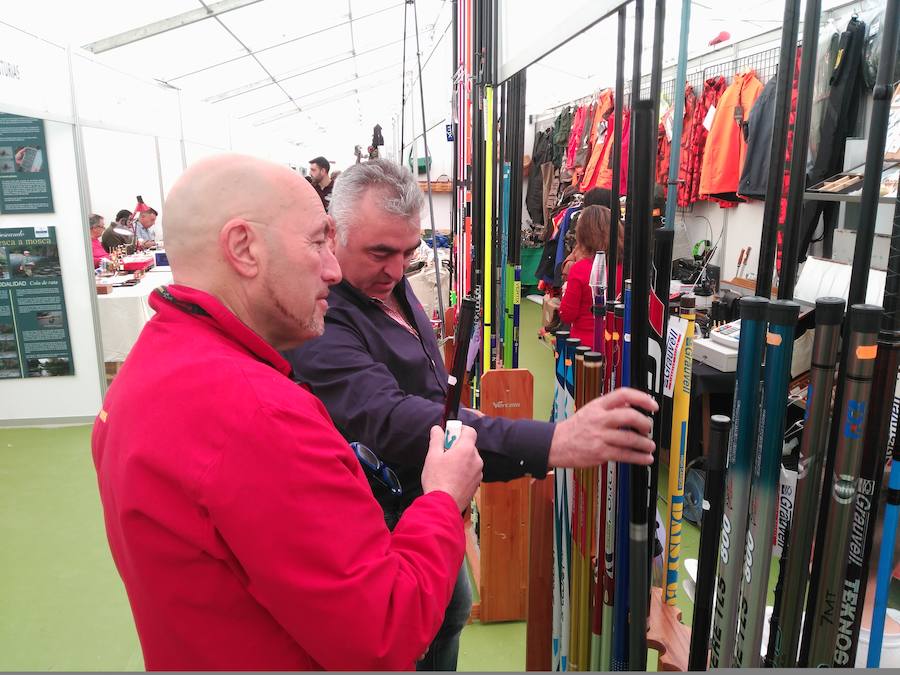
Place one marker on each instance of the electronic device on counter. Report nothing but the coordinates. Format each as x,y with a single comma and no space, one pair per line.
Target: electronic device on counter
162,261
728,334
715,354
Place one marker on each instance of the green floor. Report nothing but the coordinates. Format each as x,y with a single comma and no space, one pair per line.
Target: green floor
63,605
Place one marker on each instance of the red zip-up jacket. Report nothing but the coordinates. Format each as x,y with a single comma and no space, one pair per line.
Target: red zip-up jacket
577,301
242,523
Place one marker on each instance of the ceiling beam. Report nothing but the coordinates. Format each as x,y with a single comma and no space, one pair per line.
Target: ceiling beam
171,23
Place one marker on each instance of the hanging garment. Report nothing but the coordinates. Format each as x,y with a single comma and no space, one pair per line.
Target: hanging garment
664,149
561,128
584,145
786,175
575,136
829,39
712,91
565,242
686,157
534,198
603,115
838,122
550,175
760,127
603,171
725,148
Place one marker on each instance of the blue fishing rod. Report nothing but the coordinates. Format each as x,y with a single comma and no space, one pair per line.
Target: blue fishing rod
741,452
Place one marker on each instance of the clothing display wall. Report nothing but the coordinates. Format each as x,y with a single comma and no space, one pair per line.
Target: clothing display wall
726,138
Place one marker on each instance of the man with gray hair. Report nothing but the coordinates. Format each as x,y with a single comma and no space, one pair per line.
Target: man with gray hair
379,371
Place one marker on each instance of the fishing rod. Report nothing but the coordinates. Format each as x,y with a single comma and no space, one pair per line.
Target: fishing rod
713,503
787,614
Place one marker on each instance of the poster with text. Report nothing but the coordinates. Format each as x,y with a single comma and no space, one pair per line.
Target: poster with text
24,173
34,330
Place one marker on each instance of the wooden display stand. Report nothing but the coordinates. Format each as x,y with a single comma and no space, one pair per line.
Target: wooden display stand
503,509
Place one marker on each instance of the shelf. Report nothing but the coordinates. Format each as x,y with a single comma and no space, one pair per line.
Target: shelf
850,199
443,186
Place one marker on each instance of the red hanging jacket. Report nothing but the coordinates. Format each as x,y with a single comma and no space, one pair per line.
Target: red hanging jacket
712,90
686,158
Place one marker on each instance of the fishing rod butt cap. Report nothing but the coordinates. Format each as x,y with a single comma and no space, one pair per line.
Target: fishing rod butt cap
829,311
592,357
865,318
783,312
688,302
719,422
753,308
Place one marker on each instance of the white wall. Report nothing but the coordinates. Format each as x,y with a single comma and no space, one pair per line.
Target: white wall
42,90
136,135
120,166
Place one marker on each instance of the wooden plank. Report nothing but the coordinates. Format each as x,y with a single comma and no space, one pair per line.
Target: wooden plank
504,508
538,638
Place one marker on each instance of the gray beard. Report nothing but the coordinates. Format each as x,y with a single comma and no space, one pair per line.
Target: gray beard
310,326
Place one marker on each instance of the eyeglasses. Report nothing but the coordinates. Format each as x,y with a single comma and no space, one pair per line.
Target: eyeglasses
376,468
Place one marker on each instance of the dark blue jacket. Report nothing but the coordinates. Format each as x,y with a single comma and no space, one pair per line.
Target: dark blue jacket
385,388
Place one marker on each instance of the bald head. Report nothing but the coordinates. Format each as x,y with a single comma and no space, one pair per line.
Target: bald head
255,236
217,190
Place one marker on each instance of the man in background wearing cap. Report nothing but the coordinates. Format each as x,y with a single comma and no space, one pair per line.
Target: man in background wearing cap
318,171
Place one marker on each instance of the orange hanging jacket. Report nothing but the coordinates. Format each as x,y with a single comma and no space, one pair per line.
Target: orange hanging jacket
605,106
726,146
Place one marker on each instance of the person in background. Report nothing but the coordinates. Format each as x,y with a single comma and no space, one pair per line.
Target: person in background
244,528
318,173
334,175
97,227
27,265
591,235
380,372
143,228
119,232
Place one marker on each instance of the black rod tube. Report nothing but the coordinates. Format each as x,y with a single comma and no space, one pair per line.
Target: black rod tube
858,279
881,110
876,438
775,180
644,162
710,527
788,278
615,223
456,380
659,24
635,96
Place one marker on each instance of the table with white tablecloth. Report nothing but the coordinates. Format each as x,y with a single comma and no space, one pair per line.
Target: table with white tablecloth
124,312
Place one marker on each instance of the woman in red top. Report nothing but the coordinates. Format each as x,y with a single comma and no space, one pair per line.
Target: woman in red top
591,235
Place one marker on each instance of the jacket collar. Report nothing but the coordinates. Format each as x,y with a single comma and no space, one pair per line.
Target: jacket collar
210,310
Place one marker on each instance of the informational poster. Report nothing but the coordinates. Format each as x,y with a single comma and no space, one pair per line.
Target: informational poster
24,173
34,330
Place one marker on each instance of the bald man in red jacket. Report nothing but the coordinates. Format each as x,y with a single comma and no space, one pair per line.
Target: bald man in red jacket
242,524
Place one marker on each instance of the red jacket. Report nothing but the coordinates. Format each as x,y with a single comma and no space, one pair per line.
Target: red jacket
576,303
242,523
98,252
